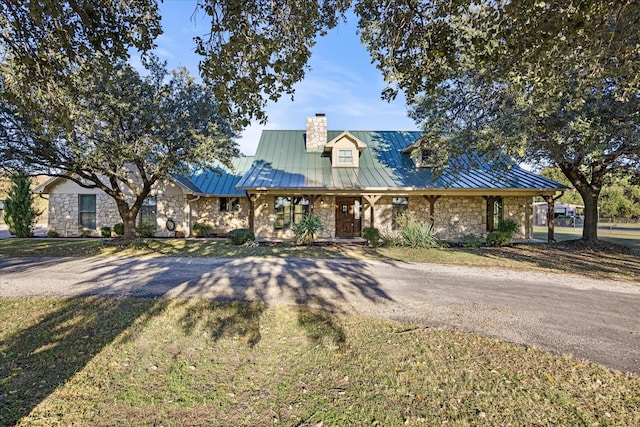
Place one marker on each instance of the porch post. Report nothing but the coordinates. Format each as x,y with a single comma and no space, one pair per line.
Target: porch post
551,216
432,207
372,199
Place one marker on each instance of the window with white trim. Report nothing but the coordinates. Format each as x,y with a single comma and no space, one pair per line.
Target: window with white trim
345,157
87,211
149,212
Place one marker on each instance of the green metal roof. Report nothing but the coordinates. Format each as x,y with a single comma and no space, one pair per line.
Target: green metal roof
282,162
218,181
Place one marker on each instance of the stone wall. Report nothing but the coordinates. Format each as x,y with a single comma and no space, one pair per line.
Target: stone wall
265,218
63,214
172,207
521,210
455,217
207,211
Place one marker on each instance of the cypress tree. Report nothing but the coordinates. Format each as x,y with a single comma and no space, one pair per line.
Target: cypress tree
19,213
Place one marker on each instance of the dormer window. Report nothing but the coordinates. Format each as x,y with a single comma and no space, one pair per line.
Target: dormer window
345,157
345,150
425,156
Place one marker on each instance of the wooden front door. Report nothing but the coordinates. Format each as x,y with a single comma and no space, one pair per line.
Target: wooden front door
348,212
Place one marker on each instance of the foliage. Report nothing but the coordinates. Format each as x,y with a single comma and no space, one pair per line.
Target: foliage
257,51
241,236
504,232
125,133
50,38
19,213
52,233
307,228
508,225
391,239
146,231
371,235
105,231
416,234
118,229
532,80
470,241
499,238
202,230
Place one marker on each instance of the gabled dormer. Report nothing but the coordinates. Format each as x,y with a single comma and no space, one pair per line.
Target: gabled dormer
425,155
345,150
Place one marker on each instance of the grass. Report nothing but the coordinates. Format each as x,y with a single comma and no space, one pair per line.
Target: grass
608,261
96,361
620,234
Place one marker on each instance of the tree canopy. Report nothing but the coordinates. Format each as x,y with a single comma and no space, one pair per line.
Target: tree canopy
552,83
125,133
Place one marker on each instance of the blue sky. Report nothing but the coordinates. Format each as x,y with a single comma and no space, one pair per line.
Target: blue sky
342,82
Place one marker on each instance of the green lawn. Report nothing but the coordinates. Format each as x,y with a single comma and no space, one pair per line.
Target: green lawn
99,361
621,234
111,362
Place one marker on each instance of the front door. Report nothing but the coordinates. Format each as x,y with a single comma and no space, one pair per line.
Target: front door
348,216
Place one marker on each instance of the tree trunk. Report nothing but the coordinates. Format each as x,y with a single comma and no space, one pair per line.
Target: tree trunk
590,229
590,192
128,216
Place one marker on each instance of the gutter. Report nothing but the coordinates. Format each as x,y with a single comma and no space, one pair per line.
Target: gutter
190,214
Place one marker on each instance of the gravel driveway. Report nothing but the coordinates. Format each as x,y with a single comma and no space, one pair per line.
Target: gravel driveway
593,319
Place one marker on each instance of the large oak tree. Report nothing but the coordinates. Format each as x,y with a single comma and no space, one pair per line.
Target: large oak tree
550,82
122,133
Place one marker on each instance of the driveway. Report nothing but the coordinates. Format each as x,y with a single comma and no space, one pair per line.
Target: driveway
592,319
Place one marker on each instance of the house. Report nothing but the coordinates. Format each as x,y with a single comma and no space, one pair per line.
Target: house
351,179
174,205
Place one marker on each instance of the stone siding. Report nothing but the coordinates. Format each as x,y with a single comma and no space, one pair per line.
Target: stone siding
207,211
172,207
63,214
455,217
265,218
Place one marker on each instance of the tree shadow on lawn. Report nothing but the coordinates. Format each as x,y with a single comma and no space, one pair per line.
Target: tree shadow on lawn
127,291
605,260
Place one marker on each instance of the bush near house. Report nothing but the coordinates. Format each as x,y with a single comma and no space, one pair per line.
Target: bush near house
306,229
241,236
371,235
202,230
470,241
119,229
416,234
105,231
503,235
146,231
19,213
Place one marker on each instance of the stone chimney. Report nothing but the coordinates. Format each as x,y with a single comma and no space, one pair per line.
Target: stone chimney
316,137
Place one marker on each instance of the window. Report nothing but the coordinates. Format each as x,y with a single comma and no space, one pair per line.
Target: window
345,157
399,206
300,208
87,211
290,210
229,204
283,213
148,212
494,212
